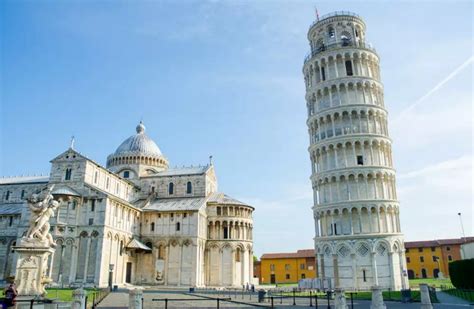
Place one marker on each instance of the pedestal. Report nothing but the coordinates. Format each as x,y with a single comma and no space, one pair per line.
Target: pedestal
340,299
32,267
79,299
135,299
377,298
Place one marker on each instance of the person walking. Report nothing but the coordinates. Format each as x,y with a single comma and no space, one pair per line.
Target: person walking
10,296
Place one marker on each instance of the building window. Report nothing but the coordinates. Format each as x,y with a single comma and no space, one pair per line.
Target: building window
68,174
448,249
422,259
159,215
121,247
364,277
73,205
11,223
171,188
435,258
420,249
408,259
161,252
91,221
126,174
407,250
107,183
237,255
22,194
226,234
152,227
303,276
287,266
287,276
96,176
189,187
302,266
185,215
7,195
178,226
349,68
323,73
92,205
153,189
272,267
433,249
450,258
360,160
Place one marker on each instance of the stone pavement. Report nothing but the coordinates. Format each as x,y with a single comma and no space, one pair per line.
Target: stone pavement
119,300
445,298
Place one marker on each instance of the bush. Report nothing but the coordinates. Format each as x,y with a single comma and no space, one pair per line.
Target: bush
461,273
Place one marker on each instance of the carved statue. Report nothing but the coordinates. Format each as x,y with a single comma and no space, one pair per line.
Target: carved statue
41,210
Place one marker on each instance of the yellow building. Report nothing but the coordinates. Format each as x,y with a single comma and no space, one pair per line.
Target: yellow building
426,259
278,268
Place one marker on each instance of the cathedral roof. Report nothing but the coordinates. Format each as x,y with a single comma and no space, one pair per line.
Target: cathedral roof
139,144
23,179
221,198
176,204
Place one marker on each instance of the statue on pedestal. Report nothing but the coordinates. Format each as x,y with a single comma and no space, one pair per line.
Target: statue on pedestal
36,246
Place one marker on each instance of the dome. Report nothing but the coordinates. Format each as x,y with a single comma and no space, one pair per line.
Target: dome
139,143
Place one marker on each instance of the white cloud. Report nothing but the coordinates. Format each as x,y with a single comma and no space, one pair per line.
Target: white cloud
432,196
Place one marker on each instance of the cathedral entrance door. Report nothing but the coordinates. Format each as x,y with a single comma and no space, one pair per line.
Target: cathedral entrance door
128,275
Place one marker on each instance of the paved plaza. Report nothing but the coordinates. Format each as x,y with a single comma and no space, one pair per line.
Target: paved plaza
236,299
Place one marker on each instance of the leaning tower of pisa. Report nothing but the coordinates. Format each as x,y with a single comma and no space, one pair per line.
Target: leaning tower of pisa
358,239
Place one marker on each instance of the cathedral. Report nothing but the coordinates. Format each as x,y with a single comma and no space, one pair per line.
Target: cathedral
134,221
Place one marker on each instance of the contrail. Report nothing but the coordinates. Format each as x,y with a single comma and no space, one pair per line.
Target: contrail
435,88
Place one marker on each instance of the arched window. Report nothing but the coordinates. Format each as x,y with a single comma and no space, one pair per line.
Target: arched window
7,196
152,226
126,174
178,226
331,32
161,252
189,187
121,247
171,188
68,174
237,255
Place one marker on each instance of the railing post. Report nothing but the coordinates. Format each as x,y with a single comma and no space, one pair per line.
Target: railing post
166,303
316,300
31,303
310,299
294,300
329,305
271,298
217,303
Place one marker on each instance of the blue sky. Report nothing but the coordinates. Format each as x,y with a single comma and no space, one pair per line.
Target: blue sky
224,78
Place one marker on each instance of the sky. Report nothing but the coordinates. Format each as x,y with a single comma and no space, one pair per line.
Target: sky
224,78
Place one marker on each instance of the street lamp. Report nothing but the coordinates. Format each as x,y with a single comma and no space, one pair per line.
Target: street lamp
463,235
111,270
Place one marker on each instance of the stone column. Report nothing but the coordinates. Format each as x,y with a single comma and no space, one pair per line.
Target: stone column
377,298
425,297
79,297
135,299
340,299
374,269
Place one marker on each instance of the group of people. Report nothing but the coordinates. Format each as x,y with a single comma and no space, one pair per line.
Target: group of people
249,287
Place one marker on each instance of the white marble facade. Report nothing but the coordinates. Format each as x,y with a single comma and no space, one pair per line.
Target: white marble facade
150,224
358,239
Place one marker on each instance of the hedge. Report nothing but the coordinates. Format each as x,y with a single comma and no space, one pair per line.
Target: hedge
462,274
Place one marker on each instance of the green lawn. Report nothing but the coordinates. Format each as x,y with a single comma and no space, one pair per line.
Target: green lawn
415,283
66,294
